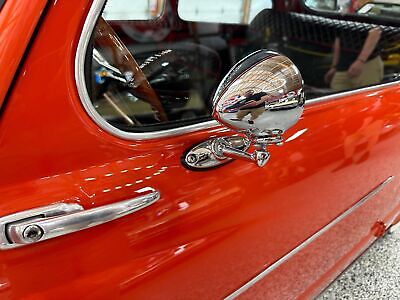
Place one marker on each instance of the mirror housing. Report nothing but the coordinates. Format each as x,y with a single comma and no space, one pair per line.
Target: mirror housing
261,94
261,97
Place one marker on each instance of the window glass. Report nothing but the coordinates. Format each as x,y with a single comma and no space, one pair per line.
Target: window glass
321,4
380,9
152,65
222,11
133,10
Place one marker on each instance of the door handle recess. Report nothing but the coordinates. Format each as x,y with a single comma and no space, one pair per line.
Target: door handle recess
43,223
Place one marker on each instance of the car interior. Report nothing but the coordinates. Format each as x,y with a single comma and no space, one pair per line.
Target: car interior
176,64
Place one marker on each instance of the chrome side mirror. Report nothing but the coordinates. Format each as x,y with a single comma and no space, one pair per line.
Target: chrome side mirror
261,97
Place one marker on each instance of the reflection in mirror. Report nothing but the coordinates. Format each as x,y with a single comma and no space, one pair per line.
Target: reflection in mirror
262,94
221,11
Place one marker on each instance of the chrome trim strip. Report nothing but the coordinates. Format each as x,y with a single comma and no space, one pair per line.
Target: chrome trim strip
84,39
394,228
350,93
308,241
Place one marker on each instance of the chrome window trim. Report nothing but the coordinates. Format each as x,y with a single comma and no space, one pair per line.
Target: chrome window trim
350,93
80,56
308,241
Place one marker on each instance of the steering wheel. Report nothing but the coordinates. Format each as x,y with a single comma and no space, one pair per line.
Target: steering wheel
126,67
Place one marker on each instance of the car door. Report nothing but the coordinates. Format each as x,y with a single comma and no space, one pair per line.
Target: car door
12,52
284,230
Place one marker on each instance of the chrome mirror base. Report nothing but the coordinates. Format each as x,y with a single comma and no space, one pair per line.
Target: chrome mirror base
215,152
218,151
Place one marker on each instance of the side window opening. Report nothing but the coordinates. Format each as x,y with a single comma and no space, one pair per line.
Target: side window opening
147,77
152,68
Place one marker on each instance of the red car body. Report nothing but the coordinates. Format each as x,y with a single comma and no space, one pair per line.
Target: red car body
281,232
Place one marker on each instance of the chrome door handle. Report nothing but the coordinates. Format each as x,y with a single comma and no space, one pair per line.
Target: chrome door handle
51,221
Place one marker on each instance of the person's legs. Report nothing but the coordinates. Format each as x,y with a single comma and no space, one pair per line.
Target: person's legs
341,81
255,113
242,113
372,73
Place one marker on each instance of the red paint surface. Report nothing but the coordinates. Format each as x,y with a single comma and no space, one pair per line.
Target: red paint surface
211,231
18,19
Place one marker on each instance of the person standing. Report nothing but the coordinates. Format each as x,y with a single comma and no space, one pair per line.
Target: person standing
352,69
